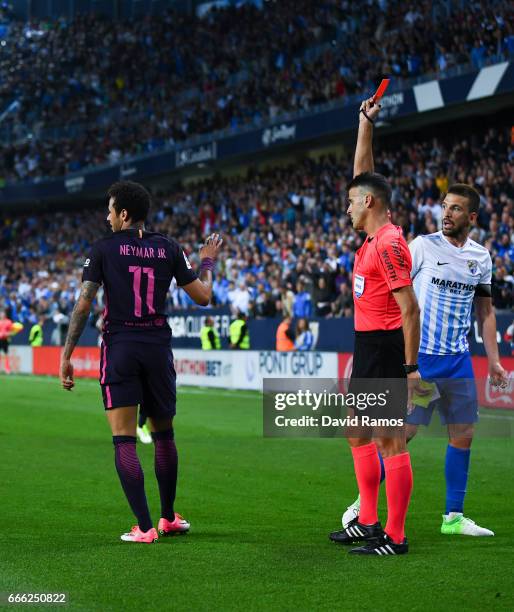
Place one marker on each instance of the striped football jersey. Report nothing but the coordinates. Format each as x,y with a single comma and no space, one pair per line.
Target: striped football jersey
445,278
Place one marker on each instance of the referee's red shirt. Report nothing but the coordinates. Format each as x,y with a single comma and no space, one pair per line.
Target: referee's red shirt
383,263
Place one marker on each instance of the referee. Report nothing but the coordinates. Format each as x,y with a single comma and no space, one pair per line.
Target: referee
386,347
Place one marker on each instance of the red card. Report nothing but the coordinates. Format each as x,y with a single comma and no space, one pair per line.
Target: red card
381,90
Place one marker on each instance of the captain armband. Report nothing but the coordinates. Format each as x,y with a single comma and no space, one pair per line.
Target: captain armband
483,290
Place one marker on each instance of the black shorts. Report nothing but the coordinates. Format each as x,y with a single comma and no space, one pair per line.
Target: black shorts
141,373
378,369
379,354
4,345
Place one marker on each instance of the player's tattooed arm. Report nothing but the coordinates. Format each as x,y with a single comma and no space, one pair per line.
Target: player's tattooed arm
79,316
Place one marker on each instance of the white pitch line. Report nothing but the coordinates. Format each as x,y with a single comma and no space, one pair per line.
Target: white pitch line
498,417
47,379
222,392
186,390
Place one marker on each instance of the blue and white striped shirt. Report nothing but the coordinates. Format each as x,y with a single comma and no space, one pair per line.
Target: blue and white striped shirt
304,341
445,278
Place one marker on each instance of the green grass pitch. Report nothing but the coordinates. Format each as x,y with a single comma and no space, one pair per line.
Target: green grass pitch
260,511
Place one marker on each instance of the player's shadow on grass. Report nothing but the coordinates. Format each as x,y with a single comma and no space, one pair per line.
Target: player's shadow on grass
197,536
209,536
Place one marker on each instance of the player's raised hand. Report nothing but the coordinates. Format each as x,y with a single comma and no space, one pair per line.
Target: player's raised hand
67,375
211,247
370,108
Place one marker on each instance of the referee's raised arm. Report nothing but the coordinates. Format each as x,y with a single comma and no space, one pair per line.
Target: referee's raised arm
363,161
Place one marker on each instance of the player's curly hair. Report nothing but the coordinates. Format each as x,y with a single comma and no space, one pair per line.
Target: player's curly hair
132,197
376,183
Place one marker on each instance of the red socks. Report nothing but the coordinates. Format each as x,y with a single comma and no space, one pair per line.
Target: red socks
367,471
398,489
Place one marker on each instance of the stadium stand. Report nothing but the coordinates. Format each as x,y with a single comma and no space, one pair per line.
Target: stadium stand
289,248
115,90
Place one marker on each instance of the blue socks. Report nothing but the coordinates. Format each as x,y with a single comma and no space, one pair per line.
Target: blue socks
456,471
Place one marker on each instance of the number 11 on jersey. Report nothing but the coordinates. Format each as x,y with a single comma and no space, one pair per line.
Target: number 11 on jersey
136,271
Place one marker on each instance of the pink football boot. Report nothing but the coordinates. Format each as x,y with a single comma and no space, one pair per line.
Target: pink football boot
144,537
179,525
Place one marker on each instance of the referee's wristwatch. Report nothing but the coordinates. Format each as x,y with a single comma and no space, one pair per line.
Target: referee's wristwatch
410,367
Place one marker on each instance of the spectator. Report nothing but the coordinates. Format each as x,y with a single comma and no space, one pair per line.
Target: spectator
302,305
285,336
304,338
343,305
36,333
502,290
239,333
264,305
239,299
209,337
286,301
323,298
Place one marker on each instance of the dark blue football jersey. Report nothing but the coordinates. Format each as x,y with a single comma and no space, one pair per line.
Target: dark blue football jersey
136,274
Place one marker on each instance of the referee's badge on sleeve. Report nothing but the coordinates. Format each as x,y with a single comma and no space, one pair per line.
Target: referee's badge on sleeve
358,285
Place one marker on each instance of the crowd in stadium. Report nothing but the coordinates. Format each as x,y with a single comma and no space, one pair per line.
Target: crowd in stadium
289,247
92,91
